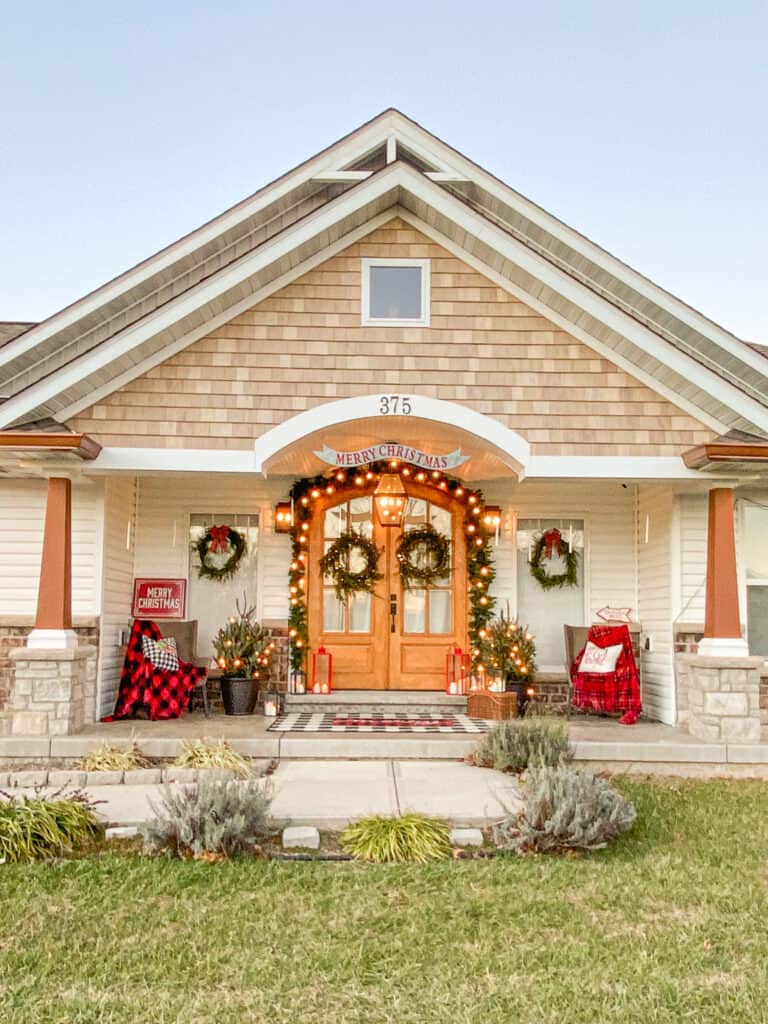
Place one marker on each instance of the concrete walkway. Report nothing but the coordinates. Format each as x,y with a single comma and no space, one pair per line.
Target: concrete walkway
329,794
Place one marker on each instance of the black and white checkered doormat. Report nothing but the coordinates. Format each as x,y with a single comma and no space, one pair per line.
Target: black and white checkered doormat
333,721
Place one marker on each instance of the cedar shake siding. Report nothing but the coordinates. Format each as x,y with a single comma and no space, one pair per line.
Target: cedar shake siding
305,345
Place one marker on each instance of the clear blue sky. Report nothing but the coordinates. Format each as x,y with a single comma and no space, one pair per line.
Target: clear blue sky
642,125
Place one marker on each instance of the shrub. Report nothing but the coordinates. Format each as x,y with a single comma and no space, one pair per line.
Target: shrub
107,758
220,816
413,838
565,810
212,754
32,828
516,745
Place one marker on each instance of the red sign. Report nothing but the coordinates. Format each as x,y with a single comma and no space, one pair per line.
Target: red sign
159,599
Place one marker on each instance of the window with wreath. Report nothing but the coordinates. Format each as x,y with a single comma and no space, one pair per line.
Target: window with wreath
211,600
352,612
428,609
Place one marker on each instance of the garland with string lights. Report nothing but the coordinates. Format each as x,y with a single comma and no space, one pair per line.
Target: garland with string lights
344,484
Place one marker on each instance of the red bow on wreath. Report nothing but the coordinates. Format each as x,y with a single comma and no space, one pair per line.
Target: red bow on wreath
552,540
219,539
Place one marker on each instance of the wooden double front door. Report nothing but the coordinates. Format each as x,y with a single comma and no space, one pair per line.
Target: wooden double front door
394,638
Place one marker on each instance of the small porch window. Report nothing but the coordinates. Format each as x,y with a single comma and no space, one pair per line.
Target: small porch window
395,292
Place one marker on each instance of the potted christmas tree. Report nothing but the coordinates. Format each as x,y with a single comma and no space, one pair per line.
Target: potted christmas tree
244,655
509,653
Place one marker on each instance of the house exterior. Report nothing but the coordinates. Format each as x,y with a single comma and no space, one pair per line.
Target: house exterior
386,308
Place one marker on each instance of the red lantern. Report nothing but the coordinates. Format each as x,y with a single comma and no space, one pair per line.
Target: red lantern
322,671
456,672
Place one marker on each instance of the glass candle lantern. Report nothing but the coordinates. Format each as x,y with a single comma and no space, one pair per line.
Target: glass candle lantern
322,671
456,672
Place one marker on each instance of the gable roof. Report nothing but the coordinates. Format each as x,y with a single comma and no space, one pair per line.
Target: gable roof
389,166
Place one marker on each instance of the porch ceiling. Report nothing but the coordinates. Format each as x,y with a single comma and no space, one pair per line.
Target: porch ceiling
484,461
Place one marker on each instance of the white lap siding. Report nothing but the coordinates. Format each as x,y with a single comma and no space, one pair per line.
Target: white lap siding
165,504
119,532
658,587
22,519
608,512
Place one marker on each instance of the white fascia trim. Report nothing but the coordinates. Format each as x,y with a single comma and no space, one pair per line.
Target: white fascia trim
580,243
511,448
611,467
345,151
619,360
150,362
586,299
342,176
172,460
188,302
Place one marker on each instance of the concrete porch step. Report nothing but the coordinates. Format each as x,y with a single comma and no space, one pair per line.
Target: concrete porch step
368,702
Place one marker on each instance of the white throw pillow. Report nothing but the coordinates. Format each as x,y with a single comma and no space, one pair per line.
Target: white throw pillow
601,660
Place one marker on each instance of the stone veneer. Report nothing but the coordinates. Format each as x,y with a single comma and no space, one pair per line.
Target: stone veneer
14,630
54,692
723,697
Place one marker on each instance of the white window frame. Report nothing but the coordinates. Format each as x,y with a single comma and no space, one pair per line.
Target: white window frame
365,292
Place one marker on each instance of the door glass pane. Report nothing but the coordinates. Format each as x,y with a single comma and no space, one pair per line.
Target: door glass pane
415,513
440,611
335,521
360,613
360,518
440,519
333,612
414,611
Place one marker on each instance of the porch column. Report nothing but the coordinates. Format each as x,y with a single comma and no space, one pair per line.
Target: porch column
53,623
722,624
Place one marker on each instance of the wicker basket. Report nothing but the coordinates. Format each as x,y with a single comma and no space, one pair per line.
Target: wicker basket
496,707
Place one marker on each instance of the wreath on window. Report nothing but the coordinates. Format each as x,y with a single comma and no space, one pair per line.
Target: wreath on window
335,563
218,541
424,555
551,545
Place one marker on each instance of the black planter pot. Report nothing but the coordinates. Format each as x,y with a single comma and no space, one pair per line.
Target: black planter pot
239,695
513,685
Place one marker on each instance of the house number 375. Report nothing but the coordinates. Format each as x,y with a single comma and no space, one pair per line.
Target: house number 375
394,405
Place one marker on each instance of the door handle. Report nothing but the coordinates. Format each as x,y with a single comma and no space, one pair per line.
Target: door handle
393,613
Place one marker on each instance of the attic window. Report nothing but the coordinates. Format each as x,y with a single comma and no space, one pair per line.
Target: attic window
395,293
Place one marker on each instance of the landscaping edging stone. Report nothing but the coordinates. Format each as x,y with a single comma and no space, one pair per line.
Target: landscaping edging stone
77,778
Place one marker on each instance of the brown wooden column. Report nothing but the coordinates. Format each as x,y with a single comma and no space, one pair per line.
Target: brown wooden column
54,599
722,623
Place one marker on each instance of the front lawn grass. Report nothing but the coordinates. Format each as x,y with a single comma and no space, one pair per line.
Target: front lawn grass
668,925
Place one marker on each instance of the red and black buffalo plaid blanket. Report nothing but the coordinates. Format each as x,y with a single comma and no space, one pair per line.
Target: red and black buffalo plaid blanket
612,691
164,694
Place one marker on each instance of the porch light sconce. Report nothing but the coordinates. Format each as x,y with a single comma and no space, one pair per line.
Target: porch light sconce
390,499
283,517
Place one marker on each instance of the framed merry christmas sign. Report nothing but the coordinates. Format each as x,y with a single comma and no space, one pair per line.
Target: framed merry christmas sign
159,599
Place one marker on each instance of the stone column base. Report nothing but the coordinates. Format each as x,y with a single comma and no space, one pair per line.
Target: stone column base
723,697
54,691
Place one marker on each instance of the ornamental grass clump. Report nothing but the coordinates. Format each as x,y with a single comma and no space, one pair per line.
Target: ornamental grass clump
222,815
32,828
215,754
411,839
107,758
565,810
515,745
